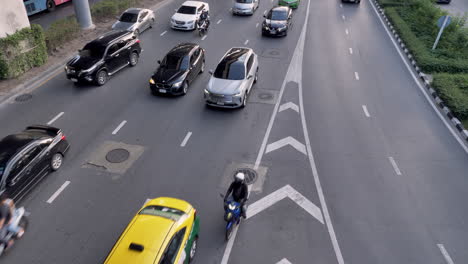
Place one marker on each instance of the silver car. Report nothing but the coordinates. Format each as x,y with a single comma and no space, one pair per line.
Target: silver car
233,78
245,7
136,20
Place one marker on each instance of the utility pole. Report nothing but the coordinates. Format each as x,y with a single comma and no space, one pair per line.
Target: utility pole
83,14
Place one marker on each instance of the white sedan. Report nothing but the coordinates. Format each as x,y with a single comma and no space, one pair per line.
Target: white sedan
187,15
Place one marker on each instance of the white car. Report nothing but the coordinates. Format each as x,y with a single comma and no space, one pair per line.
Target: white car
187,15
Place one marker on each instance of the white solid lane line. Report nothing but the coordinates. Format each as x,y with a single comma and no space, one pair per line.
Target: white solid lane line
445,254
350,50
264,13
347,32
247,41
219,21
356,75
366,112
256,25
418,83
55,118
162,34
186,139
57,193
119,127
394,165
204,37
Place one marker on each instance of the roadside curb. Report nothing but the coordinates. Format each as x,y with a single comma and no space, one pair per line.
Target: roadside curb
427,84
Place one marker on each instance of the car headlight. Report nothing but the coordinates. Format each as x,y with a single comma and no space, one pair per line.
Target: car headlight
206,91
232,206
66,68
237,94
177,84
191,22
89,70
151,81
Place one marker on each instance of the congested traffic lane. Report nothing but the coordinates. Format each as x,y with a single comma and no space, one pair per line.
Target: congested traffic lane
82,212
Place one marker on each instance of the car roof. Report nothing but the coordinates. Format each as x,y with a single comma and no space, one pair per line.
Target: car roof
194,3
133,10
182,49
280,8
109,37
12,144
172,203
237,54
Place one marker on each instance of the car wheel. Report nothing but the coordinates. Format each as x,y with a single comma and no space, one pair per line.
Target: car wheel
256,76
134,59
244,100
193,249
152,23
202,69
101,77
56,161
50,5
185,88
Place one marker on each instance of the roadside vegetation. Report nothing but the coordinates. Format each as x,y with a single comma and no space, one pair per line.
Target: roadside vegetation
416,23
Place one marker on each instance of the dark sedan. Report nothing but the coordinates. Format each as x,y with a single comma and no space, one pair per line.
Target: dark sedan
26,157
277,21
178,69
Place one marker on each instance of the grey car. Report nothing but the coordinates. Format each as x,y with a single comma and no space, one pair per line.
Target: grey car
245,7
233,78
136,20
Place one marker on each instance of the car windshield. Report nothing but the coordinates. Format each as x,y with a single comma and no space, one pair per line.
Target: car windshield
189,10
166,212
231,70
2,169
93,50
172,62
129,17
244,1
277,15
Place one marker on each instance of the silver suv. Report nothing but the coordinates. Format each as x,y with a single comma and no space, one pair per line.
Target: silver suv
245,7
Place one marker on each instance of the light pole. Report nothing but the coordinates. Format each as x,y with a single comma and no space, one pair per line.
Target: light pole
83,14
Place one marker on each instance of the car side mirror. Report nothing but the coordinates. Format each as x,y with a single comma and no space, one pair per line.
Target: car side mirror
264,16
249,77
210,72
140,20
159,62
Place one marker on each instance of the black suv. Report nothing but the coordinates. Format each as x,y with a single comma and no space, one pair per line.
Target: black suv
103,57
26,157
178,69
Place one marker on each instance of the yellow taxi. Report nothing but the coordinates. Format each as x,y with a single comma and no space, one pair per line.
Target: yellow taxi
164,231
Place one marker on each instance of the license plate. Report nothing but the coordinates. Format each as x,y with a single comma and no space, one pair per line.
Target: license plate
220,103
162,91
73,79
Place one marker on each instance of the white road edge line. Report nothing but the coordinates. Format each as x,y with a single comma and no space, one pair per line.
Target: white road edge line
356,75
350,50
204,37
347,32
366,112
247,41
119,127
445,254
186,139
416,80
57,193
219,21
55,118
394,165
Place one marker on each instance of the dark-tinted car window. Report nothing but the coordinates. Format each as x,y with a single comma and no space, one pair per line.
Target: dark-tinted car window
171,252
143,14
129,17
277,15
172,62
2,170
250,62
112,49
244,1
190,10
93,50
231,70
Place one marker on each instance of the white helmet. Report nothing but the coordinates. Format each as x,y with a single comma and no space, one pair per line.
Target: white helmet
240,177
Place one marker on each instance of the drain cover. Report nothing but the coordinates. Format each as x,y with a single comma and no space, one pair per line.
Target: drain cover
23,97
117,155
250,175
265,96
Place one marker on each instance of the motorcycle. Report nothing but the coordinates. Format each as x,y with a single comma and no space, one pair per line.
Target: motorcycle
232,216
19,220
203,27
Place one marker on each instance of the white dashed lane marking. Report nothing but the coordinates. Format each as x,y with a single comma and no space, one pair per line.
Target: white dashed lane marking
162,34
356,75
57,193
219,21
186,139
394,165
204,37
343,17
446,255
246,42
55,118
366,112
119,127
350,50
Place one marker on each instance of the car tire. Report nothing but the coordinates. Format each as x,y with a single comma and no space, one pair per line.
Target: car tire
244,100
134,59
256,76
202,68
185,88
152,23
101,77
193,249
56,161
50,4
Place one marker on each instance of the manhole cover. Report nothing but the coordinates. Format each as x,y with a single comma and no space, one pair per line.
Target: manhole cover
265,96
23,97
117,155
273,53
250,175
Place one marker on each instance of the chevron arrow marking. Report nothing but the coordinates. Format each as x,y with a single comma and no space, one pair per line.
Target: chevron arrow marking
289,105
280,194
286,141
283,261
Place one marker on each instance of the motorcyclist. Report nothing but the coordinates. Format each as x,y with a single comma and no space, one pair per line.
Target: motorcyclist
7,211
239,191
204,18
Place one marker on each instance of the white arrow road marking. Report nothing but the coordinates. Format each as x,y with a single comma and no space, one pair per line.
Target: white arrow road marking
445,254
283,261
280,194
289,105
284,142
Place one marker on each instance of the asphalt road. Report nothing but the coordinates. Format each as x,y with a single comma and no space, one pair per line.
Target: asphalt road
373,173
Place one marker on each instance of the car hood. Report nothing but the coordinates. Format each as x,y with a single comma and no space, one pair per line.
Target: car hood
243,5
275,23
184,17
122,25
165,76
223,86
82,62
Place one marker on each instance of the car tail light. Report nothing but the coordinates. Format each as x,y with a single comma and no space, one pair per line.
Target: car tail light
137,41
194,214
63,137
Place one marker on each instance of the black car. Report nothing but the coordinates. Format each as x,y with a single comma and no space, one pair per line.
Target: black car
103,57
352,1
277,21
443,1
26,157
178,69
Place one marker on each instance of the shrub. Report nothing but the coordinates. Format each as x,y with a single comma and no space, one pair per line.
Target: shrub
453,89
61,31
110,8
22,51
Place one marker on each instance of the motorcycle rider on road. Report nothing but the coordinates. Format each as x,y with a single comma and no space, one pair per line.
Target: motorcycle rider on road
204,18
239,191
7,211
